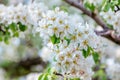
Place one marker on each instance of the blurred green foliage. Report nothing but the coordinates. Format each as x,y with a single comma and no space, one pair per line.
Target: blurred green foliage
4,2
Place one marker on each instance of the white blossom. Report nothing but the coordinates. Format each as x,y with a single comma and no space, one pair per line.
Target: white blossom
112,19
67,57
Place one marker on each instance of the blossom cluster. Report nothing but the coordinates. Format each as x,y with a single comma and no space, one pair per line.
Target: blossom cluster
65,37
112,18
66,40
26,14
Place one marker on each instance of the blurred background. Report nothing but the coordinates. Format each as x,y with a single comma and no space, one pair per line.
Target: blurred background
20,59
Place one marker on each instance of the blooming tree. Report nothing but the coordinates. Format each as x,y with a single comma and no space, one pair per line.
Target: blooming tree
75,44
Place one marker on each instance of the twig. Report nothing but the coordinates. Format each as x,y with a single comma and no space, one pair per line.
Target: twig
58,74
111,35
1,30
118,8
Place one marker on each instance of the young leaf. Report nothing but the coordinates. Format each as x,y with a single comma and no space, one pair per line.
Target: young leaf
87,52
68,40
54,39
6,39
100,74
22,27
95,57
16,34
90,6
45,77
64,8
1,38
84,52
41,77
13,26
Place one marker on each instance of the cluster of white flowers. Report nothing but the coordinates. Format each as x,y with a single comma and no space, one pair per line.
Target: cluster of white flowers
112,18
35,11
26,14
72,64
66,40
65,37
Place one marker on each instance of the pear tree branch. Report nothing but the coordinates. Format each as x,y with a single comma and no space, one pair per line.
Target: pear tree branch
107,33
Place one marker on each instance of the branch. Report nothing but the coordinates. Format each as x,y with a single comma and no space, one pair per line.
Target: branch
31,62
58,74
23,67
110,33
1,30
118,8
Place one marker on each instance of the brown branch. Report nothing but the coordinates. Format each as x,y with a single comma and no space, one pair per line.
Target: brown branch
1,30
118,8
30,62
58,74
23,67
110,33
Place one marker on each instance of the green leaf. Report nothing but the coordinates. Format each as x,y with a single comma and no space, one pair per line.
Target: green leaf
6,28
7,33
103,2
46,77
84,52
106,6
22,27
90,6
95,57
110,26
54,39
87,52
13,26
6,63
41,77
68,40
118,2
1,36
57,40
16,34
100,74
6,39
88,49
64,8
